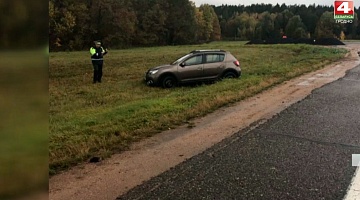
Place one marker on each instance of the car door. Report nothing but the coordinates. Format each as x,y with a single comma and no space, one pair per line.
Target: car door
191,69
214,64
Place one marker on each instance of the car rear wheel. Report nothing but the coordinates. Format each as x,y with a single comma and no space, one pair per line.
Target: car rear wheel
169,82
229,75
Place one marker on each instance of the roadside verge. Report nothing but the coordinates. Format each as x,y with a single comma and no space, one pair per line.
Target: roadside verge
121,172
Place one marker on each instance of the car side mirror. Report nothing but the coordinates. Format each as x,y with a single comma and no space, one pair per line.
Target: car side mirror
182,64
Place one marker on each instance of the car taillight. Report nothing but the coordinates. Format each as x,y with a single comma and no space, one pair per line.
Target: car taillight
237,63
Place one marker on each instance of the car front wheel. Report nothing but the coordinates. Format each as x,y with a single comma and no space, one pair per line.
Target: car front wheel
169,82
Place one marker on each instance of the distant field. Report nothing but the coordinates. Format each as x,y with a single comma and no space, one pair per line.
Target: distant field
88,120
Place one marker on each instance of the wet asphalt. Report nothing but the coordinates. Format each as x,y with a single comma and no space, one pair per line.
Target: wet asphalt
304,152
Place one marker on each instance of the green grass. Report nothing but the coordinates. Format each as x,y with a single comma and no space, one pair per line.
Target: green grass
24,124
88,120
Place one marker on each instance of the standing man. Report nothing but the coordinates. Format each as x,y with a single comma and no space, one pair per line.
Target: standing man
97,52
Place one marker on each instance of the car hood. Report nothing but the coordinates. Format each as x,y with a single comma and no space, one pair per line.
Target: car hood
161,66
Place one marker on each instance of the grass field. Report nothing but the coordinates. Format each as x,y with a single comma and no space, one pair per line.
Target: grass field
24,124
98,119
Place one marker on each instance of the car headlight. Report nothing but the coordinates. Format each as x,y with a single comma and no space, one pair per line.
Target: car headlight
153,72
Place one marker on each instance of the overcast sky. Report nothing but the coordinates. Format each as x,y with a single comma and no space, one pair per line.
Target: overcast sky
274,2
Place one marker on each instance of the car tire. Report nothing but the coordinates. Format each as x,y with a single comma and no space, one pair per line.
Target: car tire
229,75
169,82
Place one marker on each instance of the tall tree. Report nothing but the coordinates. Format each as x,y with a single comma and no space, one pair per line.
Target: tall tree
267,26
181,23
82,32
61,25
208,24
326,26
350,29
151,18
113,21
201,26
295,28
286,16
208,17
216,33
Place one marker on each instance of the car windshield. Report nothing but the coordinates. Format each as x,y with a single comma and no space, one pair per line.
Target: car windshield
180,59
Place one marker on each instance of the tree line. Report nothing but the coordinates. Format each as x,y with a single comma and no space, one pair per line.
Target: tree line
74,24
265,21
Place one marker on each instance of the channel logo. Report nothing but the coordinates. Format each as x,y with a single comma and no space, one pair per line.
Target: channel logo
344,10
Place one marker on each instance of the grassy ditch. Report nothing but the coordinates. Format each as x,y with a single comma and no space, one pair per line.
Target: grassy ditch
98,119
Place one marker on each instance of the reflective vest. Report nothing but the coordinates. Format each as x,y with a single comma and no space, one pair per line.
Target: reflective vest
97,53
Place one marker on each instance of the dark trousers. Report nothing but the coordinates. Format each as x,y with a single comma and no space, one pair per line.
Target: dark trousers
97,71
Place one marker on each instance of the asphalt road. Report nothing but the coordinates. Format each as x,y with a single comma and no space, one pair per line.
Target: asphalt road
302,153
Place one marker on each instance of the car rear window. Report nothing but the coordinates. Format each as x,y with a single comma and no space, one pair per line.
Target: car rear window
210,58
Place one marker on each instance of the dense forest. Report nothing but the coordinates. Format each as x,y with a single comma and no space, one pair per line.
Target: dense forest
74,24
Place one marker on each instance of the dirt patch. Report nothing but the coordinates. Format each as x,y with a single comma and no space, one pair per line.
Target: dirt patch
116,175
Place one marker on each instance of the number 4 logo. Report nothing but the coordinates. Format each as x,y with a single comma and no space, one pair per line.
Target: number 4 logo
343,7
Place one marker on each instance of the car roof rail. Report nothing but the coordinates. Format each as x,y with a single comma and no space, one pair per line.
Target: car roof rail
207,50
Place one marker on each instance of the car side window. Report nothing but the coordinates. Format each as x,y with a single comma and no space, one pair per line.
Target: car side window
211,58
195,60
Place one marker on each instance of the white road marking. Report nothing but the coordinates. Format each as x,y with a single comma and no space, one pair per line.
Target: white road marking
304,83
353,192
324,75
